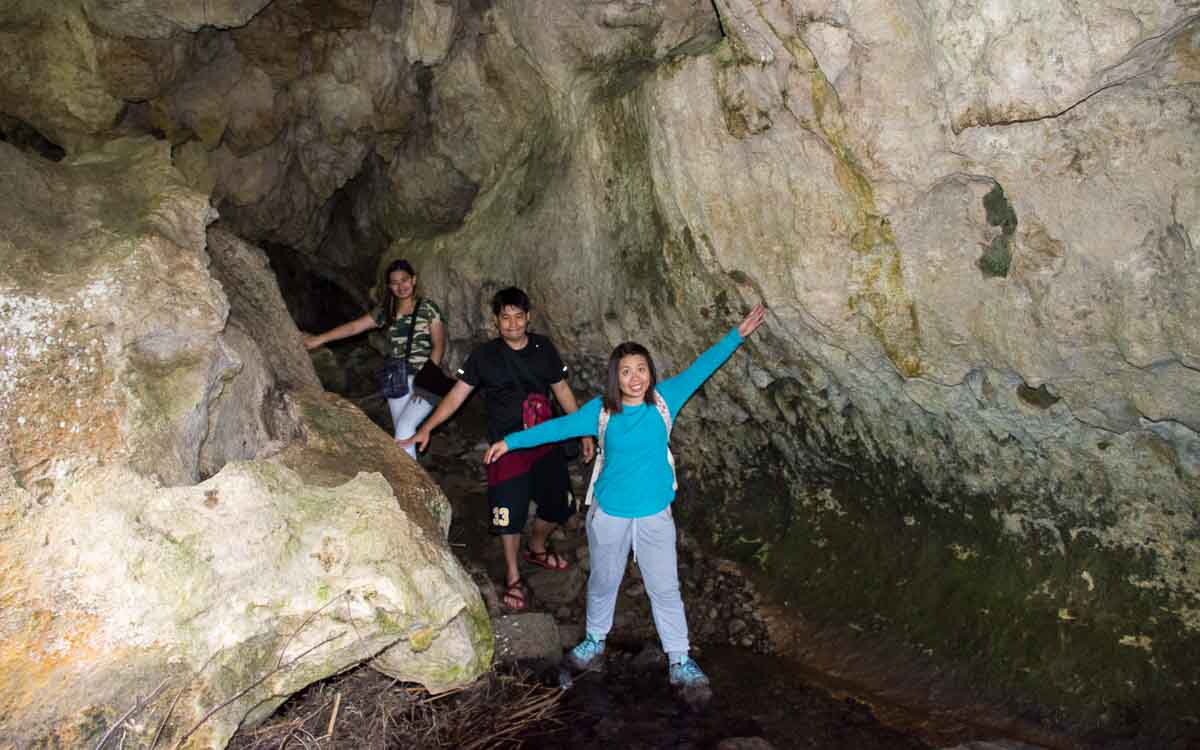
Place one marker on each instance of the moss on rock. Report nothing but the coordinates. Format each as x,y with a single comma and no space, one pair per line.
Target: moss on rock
1044,612
997,258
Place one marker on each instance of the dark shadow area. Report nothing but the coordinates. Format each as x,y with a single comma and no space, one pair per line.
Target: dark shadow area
314,302
27,138
365,710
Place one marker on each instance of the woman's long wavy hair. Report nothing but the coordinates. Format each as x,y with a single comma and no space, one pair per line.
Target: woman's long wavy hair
396,265
612,393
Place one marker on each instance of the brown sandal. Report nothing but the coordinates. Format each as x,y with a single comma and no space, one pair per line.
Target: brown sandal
542,559
517,593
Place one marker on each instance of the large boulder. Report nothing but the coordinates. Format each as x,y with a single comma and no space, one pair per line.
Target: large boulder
231,594
112,319
190,530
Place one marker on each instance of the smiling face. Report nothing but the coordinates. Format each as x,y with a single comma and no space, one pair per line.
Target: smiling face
402,284
512,321
633,378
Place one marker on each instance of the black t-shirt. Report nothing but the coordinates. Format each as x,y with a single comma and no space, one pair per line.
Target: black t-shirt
486,368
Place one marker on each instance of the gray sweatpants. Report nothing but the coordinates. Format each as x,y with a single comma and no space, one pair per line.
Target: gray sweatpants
652,539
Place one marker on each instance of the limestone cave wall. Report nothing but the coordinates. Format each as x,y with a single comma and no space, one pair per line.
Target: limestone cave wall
970,424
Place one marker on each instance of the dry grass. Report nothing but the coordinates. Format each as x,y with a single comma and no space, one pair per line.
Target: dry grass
366,710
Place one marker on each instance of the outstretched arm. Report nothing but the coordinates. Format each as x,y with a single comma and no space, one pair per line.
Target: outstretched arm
445,409
345,330
679,389
584,421
566,399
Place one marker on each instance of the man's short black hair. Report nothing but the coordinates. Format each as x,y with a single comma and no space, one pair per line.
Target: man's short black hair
510,297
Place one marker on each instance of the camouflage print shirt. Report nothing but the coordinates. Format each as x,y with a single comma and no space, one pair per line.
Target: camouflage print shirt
396,332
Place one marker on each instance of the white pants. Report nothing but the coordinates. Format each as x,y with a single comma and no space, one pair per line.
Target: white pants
653,541
408,412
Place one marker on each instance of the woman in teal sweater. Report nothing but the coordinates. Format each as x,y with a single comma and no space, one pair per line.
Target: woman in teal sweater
634,487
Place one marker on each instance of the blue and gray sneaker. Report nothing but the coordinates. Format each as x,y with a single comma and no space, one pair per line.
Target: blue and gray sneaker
690,681
587,654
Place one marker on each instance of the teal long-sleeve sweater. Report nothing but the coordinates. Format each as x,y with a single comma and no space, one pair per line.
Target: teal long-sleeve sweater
636,478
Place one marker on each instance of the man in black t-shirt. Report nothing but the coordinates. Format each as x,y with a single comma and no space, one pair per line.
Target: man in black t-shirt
515,371
507,377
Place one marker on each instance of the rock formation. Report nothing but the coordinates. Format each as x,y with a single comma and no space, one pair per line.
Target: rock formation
190,531
970,426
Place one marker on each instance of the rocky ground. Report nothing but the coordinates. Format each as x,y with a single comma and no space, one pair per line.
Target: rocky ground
761,699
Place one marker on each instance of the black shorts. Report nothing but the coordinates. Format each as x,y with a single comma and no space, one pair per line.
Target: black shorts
546,483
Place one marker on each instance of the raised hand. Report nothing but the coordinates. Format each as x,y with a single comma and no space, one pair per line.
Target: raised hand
752,320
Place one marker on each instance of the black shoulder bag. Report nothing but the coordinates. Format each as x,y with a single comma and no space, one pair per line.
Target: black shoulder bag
393,378
430,381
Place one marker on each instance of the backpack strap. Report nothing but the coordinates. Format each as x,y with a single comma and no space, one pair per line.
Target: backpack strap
664,411
660,403
599,462
412,328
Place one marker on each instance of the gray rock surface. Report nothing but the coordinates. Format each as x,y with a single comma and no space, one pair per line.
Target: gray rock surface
531,636
553,587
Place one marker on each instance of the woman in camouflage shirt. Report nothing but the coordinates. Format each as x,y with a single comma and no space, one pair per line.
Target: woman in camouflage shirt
428,342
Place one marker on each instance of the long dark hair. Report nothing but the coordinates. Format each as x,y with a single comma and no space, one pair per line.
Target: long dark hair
395,265
612,393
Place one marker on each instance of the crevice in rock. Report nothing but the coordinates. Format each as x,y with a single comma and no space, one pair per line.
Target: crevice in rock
27,138
1086,423
138,117
1040,397
1172,423
1142,49
1139,52
279,416
1157,365
958,129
